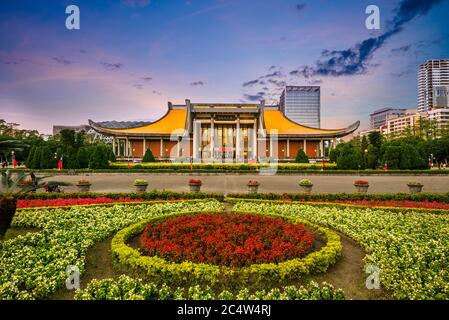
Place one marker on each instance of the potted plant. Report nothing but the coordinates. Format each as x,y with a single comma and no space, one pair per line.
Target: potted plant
195,185
253,186
83,185
361,185
141,185
415,187
306,185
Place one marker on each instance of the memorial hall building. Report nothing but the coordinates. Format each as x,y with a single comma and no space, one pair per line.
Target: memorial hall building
221,132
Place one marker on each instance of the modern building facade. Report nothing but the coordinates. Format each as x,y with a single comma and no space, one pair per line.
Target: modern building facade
433,84
440,117
219,132
410,121
379,117
302,104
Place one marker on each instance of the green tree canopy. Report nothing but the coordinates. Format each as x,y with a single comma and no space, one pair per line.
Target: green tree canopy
301,157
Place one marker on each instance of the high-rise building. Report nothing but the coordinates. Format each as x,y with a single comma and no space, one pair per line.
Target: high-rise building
302,105
379,117
433,85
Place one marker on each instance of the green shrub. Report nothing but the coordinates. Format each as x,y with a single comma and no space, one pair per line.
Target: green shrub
140,182
301,157
148,157
99,159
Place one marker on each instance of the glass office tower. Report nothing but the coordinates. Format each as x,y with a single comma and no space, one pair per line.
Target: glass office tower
302,104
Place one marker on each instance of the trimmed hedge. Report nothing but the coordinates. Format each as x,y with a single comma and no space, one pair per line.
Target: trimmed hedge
184,273
439,197
126,288
342,205
152,195
312,169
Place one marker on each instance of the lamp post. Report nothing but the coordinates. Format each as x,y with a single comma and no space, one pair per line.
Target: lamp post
13,159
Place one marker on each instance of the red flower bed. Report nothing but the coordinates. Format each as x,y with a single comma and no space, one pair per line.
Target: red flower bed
226,239
70,202
396,203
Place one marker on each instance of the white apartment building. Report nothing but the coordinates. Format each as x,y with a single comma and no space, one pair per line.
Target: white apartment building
397,124
440,116
433,85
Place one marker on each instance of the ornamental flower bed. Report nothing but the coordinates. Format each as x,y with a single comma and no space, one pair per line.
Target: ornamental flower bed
394,203
410,249
61,202
226,239
34,265
127,288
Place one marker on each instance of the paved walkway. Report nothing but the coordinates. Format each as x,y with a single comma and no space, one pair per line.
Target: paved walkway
123,182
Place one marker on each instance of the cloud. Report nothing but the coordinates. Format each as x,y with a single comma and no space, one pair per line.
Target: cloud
278,83
256,97
147,79
138,86
62,61
197,83
112,66
402,49
250,83
300,7
277,74
355,60
402,73
136,3
11,62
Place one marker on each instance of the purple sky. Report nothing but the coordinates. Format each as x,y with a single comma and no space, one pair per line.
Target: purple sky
131,57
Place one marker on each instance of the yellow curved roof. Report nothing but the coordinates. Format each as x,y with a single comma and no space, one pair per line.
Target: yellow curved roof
173,122
275,120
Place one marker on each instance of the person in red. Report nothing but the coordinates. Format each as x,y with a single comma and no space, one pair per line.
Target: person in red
60,163
386,166
14,162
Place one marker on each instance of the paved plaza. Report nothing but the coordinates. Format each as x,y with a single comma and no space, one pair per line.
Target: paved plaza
123,182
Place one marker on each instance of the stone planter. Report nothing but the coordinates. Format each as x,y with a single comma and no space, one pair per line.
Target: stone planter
141,187
306,189
195,187
362,188
415,188
83,187
253,188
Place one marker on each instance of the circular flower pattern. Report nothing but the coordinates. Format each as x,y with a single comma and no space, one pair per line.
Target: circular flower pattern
226,239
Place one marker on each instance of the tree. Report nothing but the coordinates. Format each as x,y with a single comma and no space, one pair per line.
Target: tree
335,153
301,157
372,157
350,157
83,156
375,139
411,158
46,158
148,157
35,163
67,138
111,155
392,156
29,160
99,159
